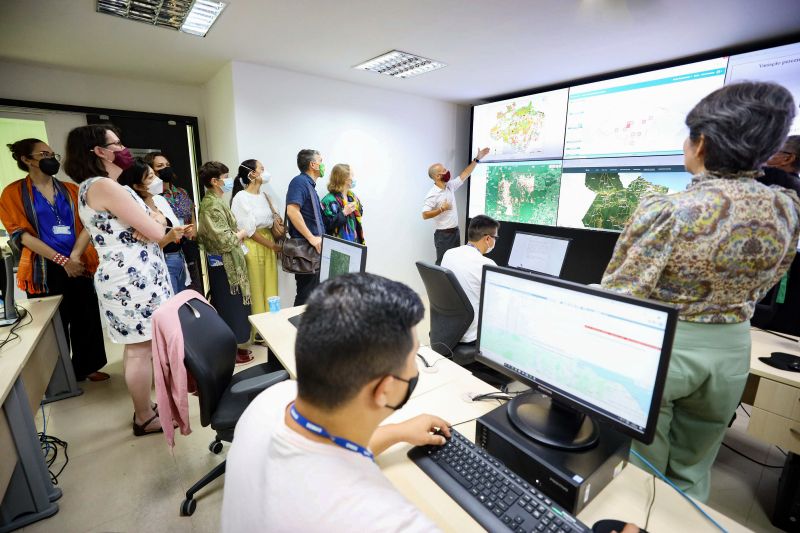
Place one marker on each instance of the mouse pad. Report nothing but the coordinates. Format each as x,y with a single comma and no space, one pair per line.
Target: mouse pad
782,361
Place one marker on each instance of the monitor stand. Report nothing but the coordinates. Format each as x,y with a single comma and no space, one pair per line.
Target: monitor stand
552,423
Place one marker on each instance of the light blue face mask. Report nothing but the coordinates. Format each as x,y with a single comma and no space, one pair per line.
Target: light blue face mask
227,184
352,184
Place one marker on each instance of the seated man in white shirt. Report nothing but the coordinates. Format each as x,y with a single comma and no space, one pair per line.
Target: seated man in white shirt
302,456
467,261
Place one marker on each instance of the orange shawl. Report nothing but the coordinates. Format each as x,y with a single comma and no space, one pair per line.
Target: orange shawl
12,214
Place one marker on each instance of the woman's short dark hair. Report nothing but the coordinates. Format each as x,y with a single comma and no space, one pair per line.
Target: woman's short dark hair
480,226
135,174
20,149
304,158
242,179
743,124
211,170
356,328
81,162
150,158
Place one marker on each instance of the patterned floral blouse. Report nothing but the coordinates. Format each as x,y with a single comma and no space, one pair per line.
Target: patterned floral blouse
180,202
713,250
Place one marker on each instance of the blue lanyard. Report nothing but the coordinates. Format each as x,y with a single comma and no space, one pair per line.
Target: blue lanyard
322,432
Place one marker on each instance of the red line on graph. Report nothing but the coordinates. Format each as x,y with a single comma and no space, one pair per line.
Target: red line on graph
621,337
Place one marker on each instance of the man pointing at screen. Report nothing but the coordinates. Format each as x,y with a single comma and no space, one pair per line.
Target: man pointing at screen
440,204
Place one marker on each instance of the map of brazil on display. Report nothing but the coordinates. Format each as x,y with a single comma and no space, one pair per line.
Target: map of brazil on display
526,192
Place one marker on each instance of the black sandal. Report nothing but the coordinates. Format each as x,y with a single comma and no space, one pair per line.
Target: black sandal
139,430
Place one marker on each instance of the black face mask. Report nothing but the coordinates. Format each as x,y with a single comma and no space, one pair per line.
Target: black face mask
49,166
412,384
166,174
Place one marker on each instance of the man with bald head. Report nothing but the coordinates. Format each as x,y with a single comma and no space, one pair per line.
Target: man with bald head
783,167
440,204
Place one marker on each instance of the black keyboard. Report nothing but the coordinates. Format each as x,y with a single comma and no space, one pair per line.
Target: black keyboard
493,495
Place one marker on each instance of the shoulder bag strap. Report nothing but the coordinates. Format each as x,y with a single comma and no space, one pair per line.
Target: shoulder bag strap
317,209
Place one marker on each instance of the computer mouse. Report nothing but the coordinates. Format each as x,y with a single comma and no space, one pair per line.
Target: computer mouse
609,525
794,365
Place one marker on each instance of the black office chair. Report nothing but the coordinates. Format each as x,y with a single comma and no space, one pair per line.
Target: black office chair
451,313
766,308
209,354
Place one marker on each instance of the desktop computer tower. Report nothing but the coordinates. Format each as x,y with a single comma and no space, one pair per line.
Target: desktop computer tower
786,514
571,479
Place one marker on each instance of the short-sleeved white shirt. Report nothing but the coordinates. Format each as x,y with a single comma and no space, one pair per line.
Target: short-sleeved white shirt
466,262
436,196
251,211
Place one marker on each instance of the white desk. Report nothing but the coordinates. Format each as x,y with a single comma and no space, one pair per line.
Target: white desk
443,393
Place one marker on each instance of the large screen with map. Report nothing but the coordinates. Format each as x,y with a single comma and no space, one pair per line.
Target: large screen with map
584,156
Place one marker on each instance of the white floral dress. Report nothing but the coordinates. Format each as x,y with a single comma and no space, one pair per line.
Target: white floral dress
132,280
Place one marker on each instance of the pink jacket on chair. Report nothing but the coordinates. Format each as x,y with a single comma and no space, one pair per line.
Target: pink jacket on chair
170,375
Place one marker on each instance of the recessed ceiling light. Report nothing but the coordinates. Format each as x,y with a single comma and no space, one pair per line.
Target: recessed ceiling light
189,16
400,64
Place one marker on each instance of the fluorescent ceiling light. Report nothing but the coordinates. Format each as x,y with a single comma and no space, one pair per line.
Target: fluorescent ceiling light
400,64
189,16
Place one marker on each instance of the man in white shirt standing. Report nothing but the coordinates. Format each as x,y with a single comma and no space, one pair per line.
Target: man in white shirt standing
466,262
302,459
440,204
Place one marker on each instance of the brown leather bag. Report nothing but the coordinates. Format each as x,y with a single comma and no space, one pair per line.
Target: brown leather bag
298,256
278,229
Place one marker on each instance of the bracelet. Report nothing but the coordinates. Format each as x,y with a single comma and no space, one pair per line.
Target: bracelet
60,259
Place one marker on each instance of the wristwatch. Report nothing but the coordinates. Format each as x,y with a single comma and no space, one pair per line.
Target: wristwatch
476,160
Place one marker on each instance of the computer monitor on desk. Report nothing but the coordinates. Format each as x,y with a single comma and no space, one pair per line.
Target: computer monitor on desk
341,257
538,253
595,354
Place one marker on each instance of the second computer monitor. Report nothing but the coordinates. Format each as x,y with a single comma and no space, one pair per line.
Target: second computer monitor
594,353
341,257
543,254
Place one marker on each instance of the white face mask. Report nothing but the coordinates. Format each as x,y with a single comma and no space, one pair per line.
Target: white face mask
494,243
265,176
156,186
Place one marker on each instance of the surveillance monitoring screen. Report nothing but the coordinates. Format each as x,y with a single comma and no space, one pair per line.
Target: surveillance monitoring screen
538,253
620,139
602,352
341,257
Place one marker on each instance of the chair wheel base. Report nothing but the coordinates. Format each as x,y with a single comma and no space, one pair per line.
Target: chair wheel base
188,507
215,447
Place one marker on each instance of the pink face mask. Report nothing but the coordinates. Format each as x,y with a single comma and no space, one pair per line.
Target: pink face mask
123,159
445,177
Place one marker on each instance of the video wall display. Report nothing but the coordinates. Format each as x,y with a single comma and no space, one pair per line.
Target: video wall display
585,156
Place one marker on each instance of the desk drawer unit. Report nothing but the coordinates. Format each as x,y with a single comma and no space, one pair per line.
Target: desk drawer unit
775,429
778,398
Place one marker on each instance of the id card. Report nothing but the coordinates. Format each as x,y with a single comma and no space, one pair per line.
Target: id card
62,230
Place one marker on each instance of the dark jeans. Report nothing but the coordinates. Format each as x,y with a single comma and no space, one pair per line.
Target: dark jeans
444,240
305,284
230,307
80,316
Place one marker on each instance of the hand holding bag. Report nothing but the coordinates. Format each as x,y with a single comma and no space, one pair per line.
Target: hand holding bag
298,256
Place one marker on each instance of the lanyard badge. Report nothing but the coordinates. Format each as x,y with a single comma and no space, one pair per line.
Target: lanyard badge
322,432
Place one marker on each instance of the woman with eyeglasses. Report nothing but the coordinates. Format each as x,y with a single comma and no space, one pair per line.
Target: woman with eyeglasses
41,216
132,280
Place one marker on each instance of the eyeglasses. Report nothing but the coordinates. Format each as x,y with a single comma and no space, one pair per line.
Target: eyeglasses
495,237
117,143
47,155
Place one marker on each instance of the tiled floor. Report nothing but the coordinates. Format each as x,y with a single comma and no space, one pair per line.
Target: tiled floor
115,482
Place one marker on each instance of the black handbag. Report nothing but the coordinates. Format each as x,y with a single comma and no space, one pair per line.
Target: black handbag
298,256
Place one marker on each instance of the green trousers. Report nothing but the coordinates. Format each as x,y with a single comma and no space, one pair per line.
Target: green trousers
707,374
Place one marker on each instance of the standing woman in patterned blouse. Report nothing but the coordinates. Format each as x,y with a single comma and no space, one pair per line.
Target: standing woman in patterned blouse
132,279
341,208
713,251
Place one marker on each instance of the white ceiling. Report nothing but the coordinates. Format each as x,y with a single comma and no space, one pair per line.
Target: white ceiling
491,47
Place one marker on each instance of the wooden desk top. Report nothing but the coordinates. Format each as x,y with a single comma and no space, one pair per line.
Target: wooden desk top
15,354
763,345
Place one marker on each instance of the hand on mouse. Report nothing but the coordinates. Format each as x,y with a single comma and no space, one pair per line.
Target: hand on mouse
629,528
418,431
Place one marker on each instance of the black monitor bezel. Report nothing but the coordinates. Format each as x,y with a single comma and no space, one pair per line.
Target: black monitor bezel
601,416
555,237
362,247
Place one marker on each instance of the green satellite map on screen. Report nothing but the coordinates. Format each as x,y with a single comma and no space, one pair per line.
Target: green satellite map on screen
340,264
526,193
614,203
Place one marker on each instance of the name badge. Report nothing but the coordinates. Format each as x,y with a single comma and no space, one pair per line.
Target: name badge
62,230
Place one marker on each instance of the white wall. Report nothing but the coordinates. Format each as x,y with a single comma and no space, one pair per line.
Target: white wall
388,138
218,111
21,81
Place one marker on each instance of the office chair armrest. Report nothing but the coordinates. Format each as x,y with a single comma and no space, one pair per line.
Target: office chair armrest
259,383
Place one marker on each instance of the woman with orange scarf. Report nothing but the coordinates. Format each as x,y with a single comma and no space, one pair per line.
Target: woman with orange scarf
41,216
